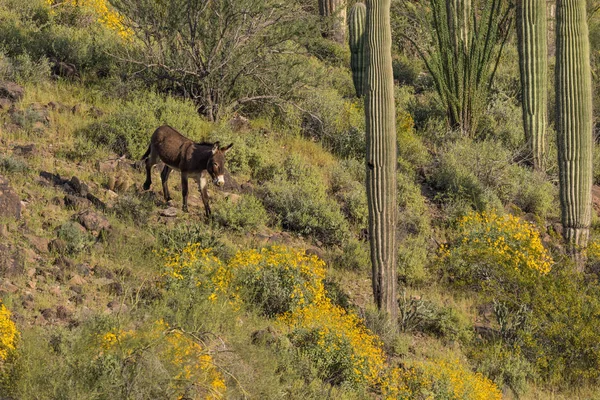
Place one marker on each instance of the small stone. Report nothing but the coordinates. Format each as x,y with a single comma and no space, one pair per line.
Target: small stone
76,202
76,288
39,243
169,212
48,313
55,290
58,246
76,280
93,221
8,287
10,204
11,91
115,288
62,313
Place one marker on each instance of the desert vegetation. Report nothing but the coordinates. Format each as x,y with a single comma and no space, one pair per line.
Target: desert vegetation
410,209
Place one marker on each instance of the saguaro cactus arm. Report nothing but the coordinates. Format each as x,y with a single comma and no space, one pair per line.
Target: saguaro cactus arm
356,30
334,9
574,123
381,154
533,54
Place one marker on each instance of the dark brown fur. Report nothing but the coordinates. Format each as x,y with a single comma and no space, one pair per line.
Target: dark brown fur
195,160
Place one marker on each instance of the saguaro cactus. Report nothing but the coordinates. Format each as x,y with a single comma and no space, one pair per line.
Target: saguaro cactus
533,54
356,30
381,154
335,9
574,123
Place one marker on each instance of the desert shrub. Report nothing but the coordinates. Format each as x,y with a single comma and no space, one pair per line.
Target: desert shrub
247,213
502,255
412,153
483,175
75,237
505,367
278,279
125,132
9,339
443,379
11,164
337,123
300,202
406,70
24,68
181,235
133,208
354,255
503,122
336,343
414,231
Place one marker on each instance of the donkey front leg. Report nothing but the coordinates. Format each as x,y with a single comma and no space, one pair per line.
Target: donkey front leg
164,176
204,192
184,190
150,161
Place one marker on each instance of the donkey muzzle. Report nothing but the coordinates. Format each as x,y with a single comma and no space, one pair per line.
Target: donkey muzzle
219,181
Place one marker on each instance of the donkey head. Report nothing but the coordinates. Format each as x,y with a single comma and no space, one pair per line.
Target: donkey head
216,164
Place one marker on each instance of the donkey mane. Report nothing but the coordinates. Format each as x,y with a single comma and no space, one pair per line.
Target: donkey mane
204,143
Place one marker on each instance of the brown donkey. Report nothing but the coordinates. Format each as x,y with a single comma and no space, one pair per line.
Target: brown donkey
195,160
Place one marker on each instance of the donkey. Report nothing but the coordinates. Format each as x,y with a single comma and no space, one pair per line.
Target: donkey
196,160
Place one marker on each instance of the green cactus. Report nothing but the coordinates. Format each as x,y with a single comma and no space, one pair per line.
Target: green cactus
381,154
574,124
533,54
459,15
335,9
356,30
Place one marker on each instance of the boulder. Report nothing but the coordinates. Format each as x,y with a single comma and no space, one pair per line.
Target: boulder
93,221
11,91
10,204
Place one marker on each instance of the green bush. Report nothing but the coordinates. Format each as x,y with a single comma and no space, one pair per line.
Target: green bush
75,237
406,70
13,165
484,176
245,214
354,255
23,68
180,235
414,231
133,208
301,204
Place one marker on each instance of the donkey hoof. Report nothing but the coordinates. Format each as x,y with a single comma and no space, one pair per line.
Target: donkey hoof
185,209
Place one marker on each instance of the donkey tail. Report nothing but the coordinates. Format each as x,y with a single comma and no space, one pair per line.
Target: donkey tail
147,153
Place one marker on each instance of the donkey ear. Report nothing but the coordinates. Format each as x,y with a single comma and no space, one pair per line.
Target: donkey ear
225,149
215,147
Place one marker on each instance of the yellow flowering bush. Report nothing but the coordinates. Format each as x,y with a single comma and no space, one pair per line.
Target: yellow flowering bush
189,366
490,249
107,16
9,335
278,279
450,380
337,343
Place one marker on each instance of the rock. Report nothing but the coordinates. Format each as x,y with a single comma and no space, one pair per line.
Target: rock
233,198
48,313
315,251
55,290
76,288
230,184
62,313
169,212
116,306
239,123
75,202
58,246
25,150
101,272
6,287
76,280
113,165
11,91
247,187
83,269
64,70
5,104
11,261
93,221
39,243
10,204
115,288
79,187
77,299
54,179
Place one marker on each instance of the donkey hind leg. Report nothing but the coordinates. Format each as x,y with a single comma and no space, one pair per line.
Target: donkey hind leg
164,177
150,161
204,192
184,190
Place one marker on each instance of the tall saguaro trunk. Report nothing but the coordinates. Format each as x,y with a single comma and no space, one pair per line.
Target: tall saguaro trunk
574,124
381,154
335,9
356,30
533,54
